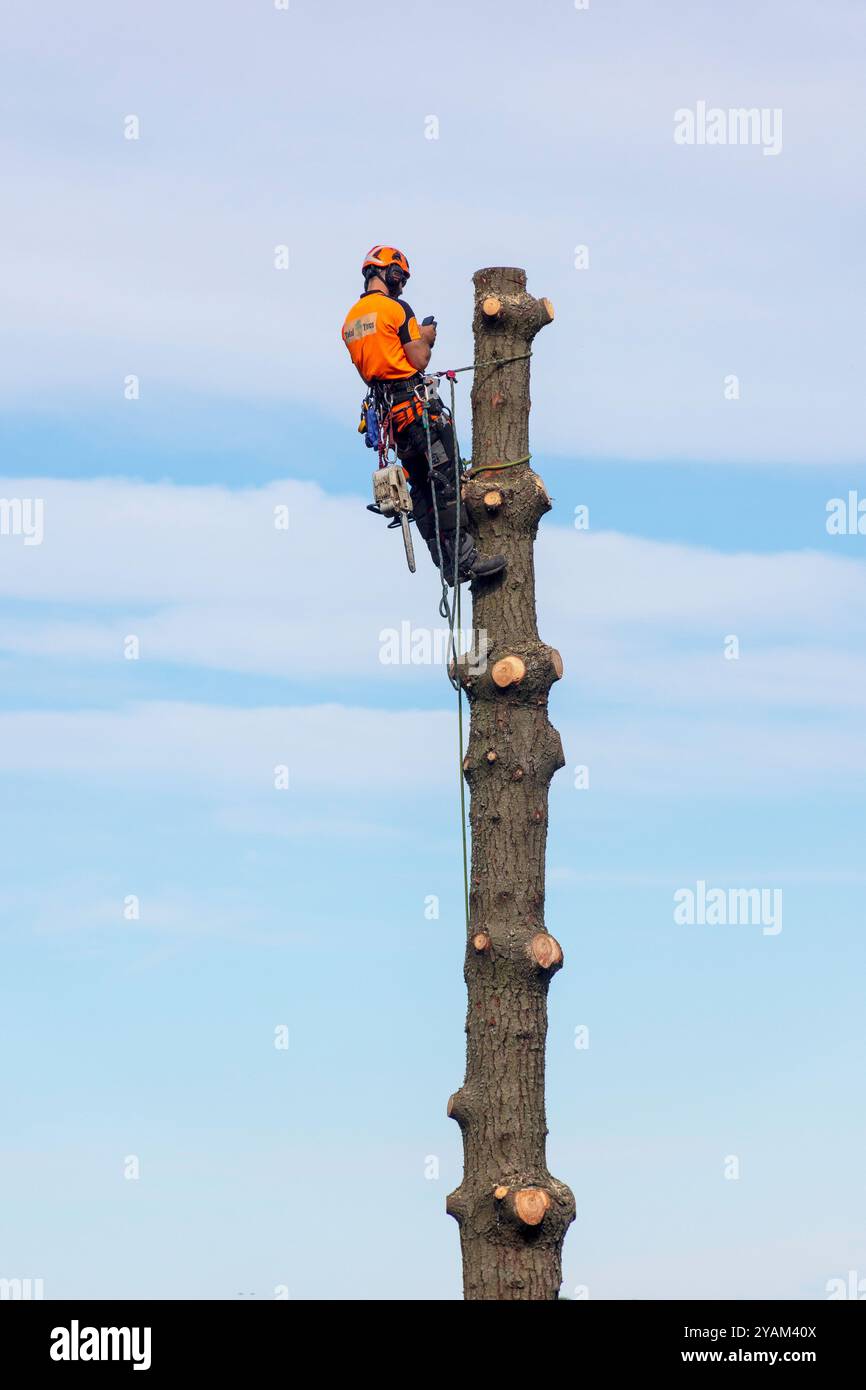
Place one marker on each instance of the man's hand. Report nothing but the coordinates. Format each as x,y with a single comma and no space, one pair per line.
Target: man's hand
428,333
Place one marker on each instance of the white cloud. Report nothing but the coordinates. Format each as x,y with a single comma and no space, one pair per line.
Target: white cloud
204,580
612,578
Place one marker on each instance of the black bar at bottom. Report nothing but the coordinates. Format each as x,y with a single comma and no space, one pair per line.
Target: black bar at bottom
67,1337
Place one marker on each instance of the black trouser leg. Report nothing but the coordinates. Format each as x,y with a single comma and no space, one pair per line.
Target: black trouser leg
412,451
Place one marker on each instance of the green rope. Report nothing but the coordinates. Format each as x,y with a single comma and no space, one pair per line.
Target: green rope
491,467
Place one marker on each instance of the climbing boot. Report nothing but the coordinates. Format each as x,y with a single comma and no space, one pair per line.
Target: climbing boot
484,567
471,565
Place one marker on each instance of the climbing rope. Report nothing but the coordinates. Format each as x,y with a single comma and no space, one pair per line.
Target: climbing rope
462,779
448,610
488,362
451,612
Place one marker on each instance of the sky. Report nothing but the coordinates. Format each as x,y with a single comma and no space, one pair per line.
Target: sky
224,817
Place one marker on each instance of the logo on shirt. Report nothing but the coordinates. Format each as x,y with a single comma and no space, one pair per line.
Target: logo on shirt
360,328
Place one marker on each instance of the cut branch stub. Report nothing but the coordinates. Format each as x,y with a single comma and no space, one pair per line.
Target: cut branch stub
455,1107
493,500
481,941
531,1204
547,310
543,494
556,663
545,950
524,675
510,670
492,307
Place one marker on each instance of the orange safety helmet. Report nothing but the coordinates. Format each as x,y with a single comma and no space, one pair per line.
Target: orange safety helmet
383,256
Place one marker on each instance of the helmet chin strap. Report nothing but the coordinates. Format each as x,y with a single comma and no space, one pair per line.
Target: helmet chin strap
395,279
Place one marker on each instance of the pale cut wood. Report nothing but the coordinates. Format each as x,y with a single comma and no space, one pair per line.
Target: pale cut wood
508,671
531,1204
545,949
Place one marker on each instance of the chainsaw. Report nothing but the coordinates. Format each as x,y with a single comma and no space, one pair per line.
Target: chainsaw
391,499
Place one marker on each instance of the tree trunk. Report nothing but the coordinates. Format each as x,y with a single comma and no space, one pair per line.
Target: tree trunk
512,1214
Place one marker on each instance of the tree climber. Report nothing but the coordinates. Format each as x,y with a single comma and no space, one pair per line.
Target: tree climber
391,353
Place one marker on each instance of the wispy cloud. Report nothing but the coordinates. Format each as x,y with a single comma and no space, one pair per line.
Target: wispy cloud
204,581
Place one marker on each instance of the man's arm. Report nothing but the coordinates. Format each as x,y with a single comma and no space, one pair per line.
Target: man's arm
419,352
417,342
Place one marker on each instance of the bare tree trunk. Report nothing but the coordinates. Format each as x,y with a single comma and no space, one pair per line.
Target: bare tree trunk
512,1214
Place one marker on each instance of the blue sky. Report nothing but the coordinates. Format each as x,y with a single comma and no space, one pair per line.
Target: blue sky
304,907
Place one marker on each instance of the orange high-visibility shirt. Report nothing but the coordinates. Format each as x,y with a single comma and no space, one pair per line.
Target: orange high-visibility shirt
375,331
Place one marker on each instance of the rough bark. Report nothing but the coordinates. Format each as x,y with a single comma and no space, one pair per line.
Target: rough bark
512,1214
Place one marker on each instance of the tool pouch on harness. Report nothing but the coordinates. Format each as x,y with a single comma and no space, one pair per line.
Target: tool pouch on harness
369,426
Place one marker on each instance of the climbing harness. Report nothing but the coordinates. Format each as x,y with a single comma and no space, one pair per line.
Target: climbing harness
391,497
369,426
